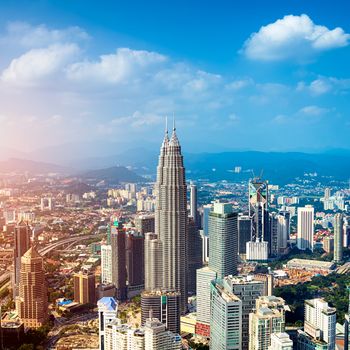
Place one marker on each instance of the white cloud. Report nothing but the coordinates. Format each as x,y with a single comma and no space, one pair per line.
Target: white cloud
29,36
323,85
115,68
293,37
313,110
37,64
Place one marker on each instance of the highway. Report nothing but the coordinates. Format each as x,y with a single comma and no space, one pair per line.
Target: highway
5,278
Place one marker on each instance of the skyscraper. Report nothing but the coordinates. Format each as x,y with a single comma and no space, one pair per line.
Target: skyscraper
119,260
244,233
223,238
135,262
153,262
171,216
225,318
194,247
258,209
305,238
338,237
193,202
163,305
258,248
84,288
22,244
31,304
107,313
106,264
144,223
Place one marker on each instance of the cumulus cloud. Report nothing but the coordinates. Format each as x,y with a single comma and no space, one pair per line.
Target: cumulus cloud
114,68
293,37
323,85
29,36
37,64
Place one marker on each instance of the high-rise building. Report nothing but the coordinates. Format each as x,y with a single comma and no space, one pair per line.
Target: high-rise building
84,288
22,243
258,210
31,303
225,318
328,245
205,218
305,239
193,203
135,262
257,251
281,341
274,232
268,318
144,223
338,237
247,290
283,229
106,264
327,193
204,277
194,254
223,238
319,326
107,313
244,233
171,216
118,245
163,305
158,338
153,262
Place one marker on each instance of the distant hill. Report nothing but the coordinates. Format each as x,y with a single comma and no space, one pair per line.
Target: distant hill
30,166
113,175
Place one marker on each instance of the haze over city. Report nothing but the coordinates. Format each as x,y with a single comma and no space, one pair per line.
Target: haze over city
174,175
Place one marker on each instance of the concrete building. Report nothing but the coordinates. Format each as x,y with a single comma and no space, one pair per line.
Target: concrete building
84,288
328,245
338,238
153,262
193,203
268,318
135,262
106,264
118,245
31,303
158,338
144,223
225,318
194,254
223,238
204,278
281,341
21,245
244,233
247,290
257,251
163,305
171,216
107,313
305,238
319,326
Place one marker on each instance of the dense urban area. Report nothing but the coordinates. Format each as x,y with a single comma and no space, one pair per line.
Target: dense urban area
161,263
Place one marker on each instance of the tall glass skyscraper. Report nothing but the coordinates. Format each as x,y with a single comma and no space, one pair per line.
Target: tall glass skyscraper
171,216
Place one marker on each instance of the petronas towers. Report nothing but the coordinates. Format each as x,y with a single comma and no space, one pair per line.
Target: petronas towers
171,216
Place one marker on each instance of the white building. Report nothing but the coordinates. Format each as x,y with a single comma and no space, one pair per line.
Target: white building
106,264
204,277
281,341
153,261
107,313
158,338
225,319
257,251
319,324
305,236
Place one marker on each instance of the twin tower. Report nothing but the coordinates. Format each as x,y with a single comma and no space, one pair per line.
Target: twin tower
171,218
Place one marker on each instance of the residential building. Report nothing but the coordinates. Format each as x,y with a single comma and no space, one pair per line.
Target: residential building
84,288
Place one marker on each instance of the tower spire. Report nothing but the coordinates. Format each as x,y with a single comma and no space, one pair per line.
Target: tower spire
174,126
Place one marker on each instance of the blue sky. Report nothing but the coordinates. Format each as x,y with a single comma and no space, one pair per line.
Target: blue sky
271,75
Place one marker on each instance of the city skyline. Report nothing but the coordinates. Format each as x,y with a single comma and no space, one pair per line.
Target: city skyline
283,74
